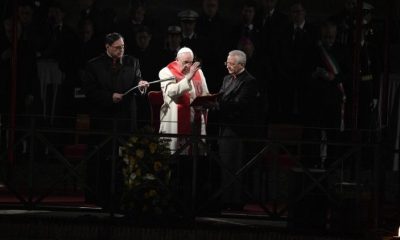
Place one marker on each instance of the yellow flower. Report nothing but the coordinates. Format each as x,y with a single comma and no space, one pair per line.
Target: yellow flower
149,177
130,183
132,161
144,141
132,140
132,176
140,153
152,147
152,193
157,166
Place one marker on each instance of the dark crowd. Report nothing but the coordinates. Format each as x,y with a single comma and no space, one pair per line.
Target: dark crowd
298,70
303,68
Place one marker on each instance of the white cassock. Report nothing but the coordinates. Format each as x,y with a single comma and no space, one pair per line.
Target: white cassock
172,92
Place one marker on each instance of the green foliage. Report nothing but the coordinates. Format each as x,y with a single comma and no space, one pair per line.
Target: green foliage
147,174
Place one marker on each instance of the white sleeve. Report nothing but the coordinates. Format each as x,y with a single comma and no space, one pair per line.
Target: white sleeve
171,88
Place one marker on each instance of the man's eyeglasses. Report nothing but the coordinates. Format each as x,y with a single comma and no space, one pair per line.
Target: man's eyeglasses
119,47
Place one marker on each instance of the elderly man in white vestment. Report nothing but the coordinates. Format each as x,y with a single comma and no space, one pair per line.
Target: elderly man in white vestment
176,114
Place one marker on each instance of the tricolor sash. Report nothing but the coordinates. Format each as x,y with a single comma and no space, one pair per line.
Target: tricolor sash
330,62
333,67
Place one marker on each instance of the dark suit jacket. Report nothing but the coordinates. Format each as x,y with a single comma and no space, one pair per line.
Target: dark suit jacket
237,105
271,31
100,81
296,51
325,97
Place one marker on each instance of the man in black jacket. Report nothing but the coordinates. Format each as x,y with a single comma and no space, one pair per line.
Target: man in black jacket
105,81
236,115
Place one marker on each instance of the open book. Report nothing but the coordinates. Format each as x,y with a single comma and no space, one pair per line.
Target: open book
205,101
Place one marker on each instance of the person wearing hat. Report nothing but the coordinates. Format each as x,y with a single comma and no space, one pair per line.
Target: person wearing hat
188,19
369,85
369,30
176,114
346,21
172,44
190,38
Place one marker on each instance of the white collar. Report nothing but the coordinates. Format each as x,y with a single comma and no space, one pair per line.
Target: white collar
250,26
190,36
271,12
133,21
301,26
242,70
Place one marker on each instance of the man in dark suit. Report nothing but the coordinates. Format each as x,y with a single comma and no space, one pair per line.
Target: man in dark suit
296,46
236,110
105,80
272,24
326,93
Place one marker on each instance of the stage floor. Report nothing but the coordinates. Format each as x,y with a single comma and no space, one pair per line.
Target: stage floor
93,224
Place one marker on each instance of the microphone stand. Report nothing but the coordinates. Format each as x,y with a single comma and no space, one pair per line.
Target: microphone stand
156,81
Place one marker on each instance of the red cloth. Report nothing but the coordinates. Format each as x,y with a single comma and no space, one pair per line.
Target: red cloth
183,103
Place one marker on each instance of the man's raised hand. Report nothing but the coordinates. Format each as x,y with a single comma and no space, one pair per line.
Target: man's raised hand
193,69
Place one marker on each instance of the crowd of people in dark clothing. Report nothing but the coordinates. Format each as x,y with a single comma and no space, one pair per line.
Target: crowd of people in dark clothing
303,67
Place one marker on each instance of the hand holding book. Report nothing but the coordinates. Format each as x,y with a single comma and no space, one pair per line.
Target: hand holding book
206,101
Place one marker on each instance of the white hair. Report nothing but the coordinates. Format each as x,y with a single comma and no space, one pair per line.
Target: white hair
184,50
241,56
